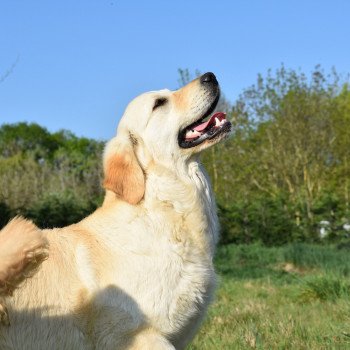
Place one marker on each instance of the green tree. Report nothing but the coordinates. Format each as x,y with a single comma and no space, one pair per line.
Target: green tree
290,142
35,165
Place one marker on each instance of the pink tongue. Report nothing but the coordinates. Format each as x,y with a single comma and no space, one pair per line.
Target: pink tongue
202,126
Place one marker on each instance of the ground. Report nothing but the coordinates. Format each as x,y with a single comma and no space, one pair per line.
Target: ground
292,297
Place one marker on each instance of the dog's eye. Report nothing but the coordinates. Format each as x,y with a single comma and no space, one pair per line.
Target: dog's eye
159,102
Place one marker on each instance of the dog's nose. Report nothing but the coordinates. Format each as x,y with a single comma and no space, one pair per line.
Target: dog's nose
209,78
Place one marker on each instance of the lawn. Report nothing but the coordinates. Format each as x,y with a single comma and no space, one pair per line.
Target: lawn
291,297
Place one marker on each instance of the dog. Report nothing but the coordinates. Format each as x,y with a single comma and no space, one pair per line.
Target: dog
137,273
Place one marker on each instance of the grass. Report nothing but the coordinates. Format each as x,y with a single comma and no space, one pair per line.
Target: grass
292,297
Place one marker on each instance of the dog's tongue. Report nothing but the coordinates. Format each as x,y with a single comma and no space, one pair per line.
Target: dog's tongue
202,126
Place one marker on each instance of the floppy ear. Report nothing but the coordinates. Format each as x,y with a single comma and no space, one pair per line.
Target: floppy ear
123,173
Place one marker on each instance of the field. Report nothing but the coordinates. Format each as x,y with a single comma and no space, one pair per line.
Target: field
291,297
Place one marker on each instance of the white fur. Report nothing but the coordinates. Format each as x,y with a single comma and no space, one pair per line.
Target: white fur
84,268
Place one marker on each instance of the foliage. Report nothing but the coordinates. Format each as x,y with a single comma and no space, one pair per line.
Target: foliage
40,171
26,138
265,220
58,210
286,167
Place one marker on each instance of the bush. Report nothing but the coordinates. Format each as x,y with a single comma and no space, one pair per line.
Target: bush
58,210
264,220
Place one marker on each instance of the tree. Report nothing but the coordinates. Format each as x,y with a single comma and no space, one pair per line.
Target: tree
290,148
35,165
341,145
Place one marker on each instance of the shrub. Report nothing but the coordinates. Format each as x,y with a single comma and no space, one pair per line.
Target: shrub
264,220
58,210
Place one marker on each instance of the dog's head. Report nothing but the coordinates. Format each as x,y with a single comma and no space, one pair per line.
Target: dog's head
164,127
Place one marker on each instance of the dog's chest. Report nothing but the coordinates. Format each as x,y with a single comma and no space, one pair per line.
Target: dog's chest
173,287
180,261
170,273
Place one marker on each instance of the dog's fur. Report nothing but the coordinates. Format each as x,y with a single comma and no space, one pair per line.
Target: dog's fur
22,249
138,272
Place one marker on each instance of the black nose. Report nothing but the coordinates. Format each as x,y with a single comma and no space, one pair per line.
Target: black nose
209,78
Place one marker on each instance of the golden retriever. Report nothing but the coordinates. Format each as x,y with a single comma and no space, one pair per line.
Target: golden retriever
137,273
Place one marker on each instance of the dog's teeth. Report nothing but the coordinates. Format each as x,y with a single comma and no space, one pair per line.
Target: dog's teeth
217,122
192,133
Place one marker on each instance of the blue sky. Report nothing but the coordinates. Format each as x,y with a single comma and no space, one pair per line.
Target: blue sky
79,62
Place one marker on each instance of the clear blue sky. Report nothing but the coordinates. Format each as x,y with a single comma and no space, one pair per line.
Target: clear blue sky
81,61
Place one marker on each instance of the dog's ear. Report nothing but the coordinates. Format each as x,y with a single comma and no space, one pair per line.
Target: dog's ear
123,173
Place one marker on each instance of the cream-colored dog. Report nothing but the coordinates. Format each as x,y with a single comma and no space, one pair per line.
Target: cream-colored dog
138,272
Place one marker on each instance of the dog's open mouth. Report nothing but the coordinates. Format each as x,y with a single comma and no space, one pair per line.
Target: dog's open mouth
199,131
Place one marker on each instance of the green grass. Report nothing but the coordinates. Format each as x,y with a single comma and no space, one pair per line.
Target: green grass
292,297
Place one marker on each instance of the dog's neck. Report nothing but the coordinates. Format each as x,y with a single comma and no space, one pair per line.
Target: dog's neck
180,186
187,192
